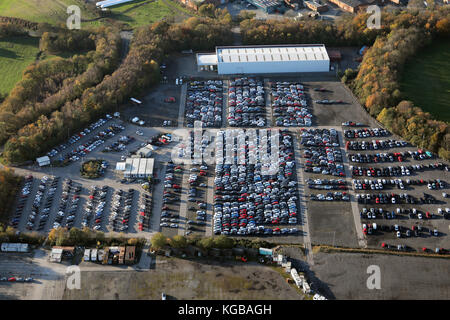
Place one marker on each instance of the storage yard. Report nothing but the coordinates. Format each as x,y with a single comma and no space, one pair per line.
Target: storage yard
194,197
330,154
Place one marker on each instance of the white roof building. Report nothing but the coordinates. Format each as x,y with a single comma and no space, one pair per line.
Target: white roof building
43,161
110,3
14,247
136,167
56,255
267,59
145,151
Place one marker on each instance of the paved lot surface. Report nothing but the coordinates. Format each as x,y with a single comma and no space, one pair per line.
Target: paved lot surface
401,277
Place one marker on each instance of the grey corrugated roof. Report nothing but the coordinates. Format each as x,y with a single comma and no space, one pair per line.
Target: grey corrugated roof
271,53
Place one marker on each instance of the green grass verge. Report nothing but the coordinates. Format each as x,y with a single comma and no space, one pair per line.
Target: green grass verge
140,12
15,55
50,11
426,80
143,12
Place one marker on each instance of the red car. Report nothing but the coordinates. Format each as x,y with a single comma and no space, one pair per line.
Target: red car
170,100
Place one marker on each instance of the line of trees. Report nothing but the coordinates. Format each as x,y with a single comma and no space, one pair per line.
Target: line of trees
88,237
9,187
348,30
377,82
9,234
138,71
20,23
10,30
160,241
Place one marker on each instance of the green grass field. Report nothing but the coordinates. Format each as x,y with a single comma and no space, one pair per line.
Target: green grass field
426,80
138,13
135,13
15,55
51,11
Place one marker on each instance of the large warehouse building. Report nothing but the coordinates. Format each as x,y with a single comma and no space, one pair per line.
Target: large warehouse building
266,59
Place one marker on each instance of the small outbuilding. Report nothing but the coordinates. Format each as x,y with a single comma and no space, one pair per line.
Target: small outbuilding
43,161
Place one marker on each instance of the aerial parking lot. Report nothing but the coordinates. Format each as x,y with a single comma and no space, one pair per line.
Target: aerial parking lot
332,154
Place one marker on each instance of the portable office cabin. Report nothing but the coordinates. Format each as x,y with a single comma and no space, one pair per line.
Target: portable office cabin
94,255
14,247
56,255
265,252
87,255
145,152
298,281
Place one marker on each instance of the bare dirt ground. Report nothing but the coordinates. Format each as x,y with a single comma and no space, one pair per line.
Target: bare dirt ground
183,279
401,277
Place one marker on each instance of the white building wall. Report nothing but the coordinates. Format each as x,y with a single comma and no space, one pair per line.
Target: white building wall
273,67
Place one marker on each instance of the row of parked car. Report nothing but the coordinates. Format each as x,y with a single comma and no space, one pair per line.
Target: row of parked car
289,105
246,103
400,231
45,211
352,124
330,196
204,102
247,197
73,139
375,144
145,211
172,189
412,213
91,144
15,279
394,171
120,144
69,203
366,133
393,198
380,184
37,203
22,201
121,210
